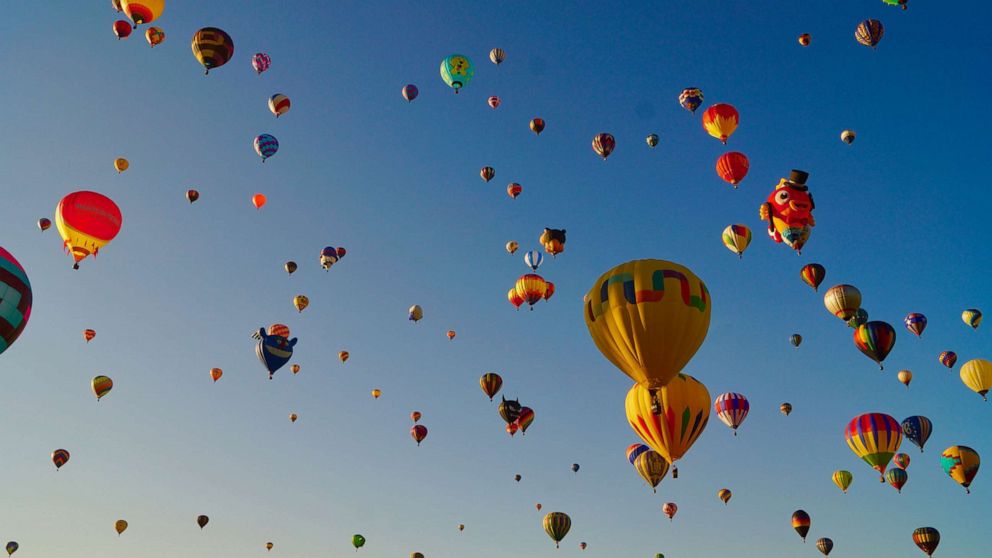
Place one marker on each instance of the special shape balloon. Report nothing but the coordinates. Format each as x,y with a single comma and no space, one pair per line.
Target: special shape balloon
789,211
274,348
15,299
87,221
553,241
457,71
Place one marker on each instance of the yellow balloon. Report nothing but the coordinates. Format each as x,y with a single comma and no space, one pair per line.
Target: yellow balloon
648,317
843,479
512,246
301,302
977,375
652,467
724,495
121,164
843,301
143,11
682,409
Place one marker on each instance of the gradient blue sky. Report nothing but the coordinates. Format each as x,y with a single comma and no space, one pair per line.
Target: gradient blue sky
901,214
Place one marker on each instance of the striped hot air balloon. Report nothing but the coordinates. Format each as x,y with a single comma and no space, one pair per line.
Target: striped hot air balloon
897,478
557,525
634,450
266,146
87,221
813,274
869,32
917,429
279,104
531,288
15,299
732,167
731,409
652,467
737,238
212,48
260,62
948,358
60,457
533,259
497,55
927,539
875,339
842,479
801,523
875,438
669,419
824,545
101,386
603,144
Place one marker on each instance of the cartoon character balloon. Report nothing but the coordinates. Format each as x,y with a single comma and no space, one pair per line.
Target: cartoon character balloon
789,211
15,299
457,71
274,348
87,221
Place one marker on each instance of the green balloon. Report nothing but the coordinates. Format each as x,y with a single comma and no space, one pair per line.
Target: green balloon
358,541
659,555
457,71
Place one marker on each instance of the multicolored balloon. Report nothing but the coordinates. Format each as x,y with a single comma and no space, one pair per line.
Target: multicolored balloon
44,224
553,241
720,121
260,62
847,136
917,429
491,382
690,98
154,36
869,32
724,494
60,457
487,173
603,144
652,467
274,348
16,299
671,419
279,104
101,385
842,301
789,211
972,317
533,259
652,140
731,409
142,11
87,221
669,509
813,274
801,523
915,323
737,238
824,545
796,339
410,92
457,71
948,358
537,125
897,478
557,525
497,55
875,339
212,48
927,539
842,479
531,288
266,145
785,408
961,464
875,438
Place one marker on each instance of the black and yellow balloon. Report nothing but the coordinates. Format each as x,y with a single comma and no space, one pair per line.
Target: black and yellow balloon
143,11
648,317
212,47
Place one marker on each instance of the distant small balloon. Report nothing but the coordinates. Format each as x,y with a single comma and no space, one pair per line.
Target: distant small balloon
290,267
494,102
537,125
216,373
192,195
410,92
44,224
258,200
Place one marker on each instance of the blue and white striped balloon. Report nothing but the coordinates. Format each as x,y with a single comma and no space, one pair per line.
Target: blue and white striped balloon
533,259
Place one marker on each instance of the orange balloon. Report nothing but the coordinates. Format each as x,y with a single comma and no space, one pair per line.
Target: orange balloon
258,200
415,416
451,334
89,334
295,369
216,373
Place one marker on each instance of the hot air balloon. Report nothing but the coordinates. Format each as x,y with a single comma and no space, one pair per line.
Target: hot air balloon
216,373
12,547
533,259
290,267
556,525
60,457
274,349
875,438
101,386
961,464
493,102
796,339
634,323
515,299
87,221
652,140
652,467
457,71
785,408
15,299
531,287
720,121
900,460
905,376
789,211
847,136
343,356
948,358
927,539
497,55
897,478
293,417
869,32
266,146
490,383
415,313
842,301
805,39
549,291
525,419
669,509
917,429
120,526
451,334
121,164
268,546
376,393
512,428
724,495
512,246
415,416
461,526
416,555
671,419
116,4
824,545
301,302
260,62
418,432
294,368
875,339
737,238
731,409
517,477
582,546
202,521
89,334
513,190
509,410
487,173
691,98
258,200
732,167
537,125
358,541
843,479
538,506
122,29
634,450
860,318
410,92
279,104
142,11
603,144
213,47
972,317
328,257
915,323
800,522
44,224
977,375
154,36
813,274
553,241
192,195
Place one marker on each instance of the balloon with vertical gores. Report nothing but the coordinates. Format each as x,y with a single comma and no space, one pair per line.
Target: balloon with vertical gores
260,62
875,339
915,323
690,98
101,385
976,374
720,121
737,238
897,478
652,467
842,301
917,429
731,409
875,438
533,259
824,545
487,173
279,104
869,32
513,190
948,358
142,11
732,167
491,382
842,479
418,432
557,525
410,92
927,539
497,55
813,274
531,288
603,144
972,317
494,102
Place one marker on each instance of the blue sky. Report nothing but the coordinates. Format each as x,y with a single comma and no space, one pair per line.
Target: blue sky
899,214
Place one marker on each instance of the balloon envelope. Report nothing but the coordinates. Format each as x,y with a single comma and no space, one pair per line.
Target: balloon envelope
16,299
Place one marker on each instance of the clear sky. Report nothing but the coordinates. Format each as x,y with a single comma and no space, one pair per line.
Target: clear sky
900,213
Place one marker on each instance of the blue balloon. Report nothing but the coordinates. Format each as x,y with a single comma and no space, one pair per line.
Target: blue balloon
274,351
917,429
266,146
533,259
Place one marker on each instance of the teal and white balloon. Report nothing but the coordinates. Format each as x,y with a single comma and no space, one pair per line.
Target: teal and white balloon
456,71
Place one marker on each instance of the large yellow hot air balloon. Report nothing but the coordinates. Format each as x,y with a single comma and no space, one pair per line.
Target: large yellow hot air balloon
142,11
648,317
977,375
671,422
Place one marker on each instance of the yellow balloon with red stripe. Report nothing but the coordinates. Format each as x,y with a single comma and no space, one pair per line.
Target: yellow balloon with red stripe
648,317
279,104
87,221
143,11
671,420
101,386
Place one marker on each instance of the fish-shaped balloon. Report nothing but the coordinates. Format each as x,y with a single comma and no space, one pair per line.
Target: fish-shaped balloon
274,350
789,211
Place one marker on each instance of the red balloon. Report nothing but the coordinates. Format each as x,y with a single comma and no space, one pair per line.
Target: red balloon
732,167
418,432
122,29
